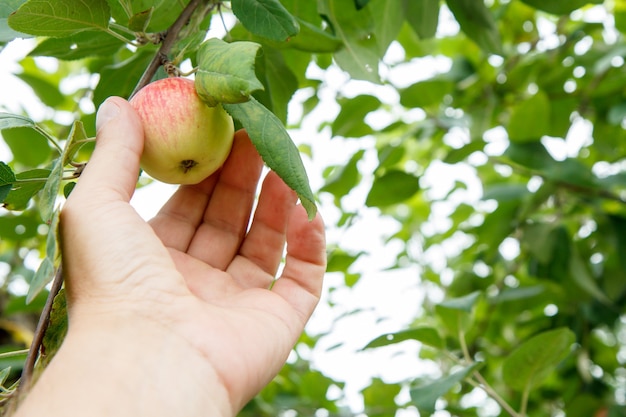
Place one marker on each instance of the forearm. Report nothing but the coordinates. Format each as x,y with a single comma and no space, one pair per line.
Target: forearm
125,372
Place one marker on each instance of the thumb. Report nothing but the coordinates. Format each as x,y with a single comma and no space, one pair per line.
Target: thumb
112,170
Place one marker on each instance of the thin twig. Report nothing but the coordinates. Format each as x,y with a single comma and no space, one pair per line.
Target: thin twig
166,46
42,326
482,382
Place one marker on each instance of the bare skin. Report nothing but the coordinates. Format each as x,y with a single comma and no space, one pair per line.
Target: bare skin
175,316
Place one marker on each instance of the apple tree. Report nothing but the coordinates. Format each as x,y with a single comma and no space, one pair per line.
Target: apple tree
486,136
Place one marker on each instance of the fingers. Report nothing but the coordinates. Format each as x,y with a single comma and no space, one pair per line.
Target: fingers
112,171
262,249
226,218
209,220
301,281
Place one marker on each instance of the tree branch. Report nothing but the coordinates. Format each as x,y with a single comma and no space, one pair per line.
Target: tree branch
42,326
166,46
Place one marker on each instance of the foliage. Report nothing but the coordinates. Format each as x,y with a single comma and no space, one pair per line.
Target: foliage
528,302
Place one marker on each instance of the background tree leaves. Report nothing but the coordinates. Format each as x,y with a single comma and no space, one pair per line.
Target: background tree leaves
468,152
360,53
478,23
532,361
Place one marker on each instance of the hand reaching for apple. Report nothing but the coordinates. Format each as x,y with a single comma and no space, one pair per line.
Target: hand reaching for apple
175,316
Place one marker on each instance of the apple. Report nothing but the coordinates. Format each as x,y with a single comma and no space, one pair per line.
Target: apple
185,140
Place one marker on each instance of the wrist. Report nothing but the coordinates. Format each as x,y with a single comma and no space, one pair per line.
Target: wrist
113,368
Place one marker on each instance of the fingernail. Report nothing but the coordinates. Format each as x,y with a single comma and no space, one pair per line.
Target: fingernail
107,112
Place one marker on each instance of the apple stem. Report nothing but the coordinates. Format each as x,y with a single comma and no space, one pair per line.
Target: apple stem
168,43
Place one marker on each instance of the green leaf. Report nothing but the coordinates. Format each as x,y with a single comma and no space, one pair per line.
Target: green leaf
340,261
426,396
560,7
426,93
457,155
456,313
344,178
42,277
379,395
532,155
571,171
139,21
9,121
530,119
6,8
581,275
75,140
52,239
46,270
47,202
23,192
163,15
57,328
350,121
478,23
68,188
561,110
388,19
505,192
516,294
60,17
18,228
78,46
313,386
426,335
226,71
266,18
275,147
393,187
529,364
541,240
5,190
465,303
17,305
423,16
28,146
44,89
7,177
313,39
355,28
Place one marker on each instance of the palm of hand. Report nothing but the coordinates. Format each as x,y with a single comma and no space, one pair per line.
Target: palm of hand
230,271
213,288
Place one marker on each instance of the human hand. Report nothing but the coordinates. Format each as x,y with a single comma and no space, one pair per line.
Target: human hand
189,292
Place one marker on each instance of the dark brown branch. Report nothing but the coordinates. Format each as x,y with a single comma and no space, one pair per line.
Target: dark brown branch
166,46
42,326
